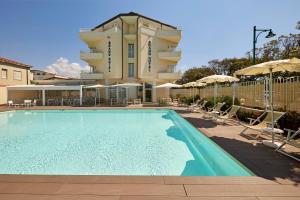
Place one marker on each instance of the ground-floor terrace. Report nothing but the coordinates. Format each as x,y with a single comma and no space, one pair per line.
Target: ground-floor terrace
277,176
98,94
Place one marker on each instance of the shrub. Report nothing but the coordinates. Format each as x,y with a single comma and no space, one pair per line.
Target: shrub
290,120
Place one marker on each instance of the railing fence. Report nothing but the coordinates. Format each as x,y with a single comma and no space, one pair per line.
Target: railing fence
286,93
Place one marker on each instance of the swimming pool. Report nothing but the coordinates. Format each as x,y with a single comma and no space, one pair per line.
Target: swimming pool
109,142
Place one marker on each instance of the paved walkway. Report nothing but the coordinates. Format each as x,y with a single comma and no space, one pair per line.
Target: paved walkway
278,177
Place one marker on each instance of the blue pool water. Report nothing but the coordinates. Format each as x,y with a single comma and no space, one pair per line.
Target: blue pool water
109,142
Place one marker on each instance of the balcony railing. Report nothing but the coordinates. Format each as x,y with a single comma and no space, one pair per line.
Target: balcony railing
91,56
173,55
167,75
170,35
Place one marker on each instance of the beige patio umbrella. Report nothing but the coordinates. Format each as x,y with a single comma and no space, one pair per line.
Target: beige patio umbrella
287,65
168,86
218,79
193,85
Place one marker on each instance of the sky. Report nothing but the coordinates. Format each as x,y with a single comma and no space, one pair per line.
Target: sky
45,33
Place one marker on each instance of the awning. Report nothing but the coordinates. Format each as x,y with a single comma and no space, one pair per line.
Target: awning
44,87
94,86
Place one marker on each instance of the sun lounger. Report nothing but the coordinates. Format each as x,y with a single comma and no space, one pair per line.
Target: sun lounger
192,106
216,109
290,140
200,107
263,122
228,114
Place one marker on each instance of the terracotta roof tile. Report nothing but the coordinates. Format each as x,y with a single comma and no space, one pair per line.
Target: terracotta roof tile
12,62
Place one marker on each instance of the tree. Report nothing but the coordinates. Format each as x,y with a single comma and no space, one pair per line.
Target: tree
228,66
298,25
195,74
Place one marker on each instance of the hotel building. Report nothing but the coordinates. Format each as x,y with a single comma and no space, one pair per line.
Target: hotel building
132,48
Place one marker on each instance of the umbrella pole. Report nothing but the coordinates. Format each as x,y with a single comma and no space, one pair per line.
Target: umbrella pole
95,96
215,93
233,96
271,104
193,95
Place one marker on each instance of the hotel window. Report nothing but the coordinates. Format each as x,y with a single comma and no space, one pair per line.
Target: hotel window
130,50
4,73
130,69
17,75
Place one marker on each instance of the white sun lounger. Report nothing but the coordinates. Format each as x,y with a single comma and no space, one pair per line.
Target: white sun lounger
290,140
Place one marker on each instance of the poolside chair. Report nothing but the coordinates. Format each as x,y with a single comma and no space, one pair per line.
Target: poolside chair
10,103
216,109
228,114
290,140
200,107
262,123
34,102
27,102
175,102
193,105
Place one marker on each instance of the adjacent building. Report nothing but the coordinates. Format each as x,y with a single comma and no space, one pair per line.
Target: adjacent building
43,75
12,73
132,48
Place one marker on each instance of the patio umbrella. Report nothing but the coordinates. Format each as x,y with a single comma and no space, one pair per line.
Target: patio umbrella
96,87
129,85
218,79
193,85
287,65
168,86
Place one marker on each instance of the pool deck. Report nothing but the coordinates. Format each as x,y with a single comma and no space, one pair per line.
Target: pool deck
278,177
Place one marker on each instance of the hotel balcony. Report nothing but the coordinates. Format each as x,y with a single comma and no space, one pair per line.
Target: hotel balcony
170,35
91,56
170,55
91,75
90,36
169,75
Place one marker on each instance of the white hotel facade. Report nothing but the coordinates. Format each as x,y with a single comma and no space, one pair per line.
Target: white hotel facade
131,48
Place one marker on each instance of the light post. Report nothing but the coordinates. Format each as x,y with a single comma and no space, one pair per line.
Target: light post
270,34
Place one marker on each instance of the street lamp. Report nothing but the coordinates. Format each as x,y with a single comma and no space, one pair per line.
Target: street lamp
270,34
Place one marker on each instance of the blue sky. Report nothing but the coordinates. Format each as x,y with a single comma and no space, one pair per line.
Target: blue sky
39,32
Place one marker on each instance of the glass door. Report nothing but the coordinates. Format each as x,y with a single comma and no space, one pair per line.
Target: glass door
148,92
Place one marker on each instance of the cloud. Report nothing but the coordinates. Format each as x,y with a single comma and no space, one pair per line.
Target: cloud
62,67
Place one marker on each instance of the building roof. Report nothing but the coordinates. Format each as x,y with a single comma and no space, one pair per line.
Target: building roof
133,14
60,77
12,62
39,70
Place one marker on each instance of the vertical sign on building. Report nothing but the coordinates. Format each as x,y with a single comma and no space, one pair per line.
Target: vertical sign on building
109,56
149,56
